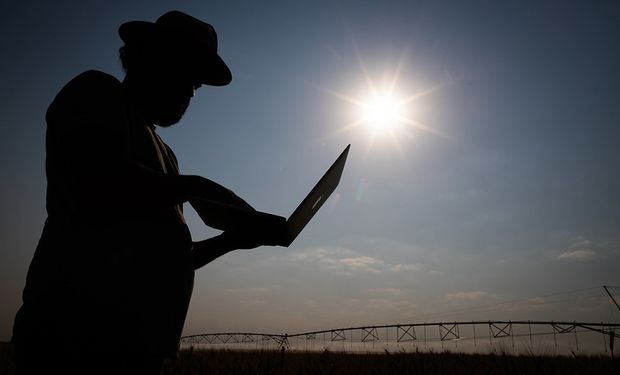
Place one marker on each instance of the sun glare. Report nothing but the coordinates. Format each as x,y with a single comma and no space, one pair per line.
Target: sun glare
383,113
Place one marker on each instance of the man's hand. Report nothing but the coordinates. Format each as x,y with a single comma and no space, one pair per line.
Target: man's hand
266,230
202,189
269,230
219,215
217,206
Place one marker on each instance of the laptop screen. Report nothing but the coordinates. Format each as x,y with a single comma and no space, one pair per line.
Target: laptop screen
317,197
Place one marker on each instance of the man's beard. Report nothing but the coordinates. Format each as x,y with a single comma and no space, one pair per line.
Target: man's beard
168,115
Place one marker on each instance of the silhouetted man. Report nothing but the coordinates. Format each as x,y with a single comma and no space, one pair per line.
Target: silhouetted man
110,282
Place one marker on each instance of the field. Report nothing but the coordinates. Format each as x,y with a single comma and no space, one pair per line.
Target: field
199,362
273,362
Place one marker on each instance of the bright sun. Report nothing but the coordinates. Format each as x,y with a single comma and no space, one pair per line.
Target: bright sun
381,112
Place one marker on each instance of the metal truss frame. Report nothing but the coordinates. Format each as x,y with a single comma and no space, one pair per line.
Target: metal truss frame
407,333
563,328
338,335
448,331
369,334
500,329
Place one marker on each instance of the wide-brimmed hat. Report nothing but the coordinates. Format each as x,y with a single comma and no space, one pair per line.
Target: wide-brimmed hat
196,40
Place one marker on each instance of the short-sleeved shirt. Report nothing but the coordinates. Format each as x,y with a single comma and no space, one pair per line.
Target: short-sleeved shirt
112,270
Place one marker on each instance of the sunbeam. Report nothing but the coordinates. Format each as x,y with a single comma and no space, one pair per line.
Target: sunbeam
382,111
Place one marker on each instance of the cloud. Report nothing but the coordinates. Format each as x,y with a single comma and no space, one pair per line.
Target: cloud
389,292
582,254
347,261
465,296
340,260
362,263
322,254
579,249
405,267
255,289
580,243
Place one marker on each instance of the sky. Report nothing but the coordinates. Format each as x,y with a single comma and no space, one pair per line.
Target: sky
493,193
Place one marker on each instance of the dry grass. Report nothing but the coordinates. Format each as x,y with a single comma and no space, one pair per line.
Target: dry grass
228,362
200,362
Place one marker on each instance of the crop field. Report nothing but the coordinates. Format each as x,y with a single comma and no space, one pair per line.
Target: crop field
199,362
274,362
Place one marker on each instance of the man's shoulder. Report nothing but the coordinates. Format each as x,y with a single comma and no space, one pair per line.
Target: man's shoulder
91,91
95,78
91,83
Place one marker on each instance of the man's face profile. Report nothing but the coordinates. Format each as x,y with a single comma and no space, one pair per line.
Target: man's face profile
165,87
170,90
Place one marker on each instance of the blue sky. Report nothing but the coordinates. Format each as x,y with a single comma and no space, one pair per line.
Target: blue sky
511,195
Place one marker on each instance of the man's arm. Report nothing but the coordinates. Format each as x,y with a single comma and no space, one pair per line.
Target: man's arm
204,252
90,155
153,187
271,233
122,182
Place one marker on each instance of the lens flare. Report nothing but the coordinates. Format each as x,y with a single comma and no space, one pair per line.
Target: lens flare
381,112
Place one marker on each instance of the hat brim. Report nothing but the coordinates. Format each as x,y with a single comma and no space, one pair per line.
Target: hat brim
210,67
216,72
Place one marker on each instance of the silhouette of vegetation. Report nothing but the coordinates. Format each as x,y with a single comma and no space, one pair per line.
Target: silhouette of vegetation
199,362
286,362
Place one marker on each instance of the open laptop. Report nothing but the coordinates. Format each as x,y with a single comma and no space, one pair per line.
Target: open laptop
235,218
317,196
